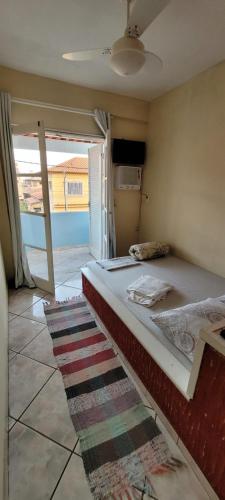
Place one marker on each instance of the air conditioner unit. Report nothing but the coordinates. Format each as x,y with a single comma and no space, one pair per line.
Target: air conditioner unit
128,178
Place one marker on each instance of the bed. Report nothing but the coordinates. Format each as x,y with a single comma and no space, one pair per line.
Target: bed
190,395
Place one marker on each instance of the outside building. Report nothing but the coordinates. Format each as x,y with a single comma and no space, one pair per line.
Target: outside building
69,202
29,188
68,186
30,194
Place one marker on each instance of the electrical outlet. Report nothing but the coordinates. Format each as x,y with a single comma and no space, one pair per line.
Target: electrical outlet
146,196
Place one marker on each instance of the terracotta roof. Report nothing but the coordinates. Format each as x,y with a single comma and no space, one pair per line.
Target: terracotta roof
35,192
33,201
77,165
32,192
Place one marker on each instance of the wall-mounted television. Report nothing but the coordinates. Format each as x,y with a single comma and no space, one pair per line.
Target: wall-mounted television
128,152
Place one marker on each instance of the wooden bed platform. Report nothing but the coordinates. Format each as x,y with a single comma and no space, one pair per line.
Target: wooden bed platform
192,398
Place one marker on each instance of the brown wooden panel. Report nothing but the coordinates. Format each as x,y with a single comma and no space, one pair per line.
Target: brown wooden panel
200,423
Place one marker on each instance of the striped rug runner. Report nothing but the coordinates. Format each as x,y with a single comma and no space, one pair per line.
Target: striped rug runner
121,445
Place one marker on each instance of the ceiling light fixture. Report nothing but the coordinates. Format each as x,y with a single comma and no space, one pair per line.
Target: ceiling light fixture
127,56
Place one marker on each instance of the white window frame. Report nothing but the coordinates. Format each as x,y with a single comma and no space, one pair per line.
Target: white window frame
74,182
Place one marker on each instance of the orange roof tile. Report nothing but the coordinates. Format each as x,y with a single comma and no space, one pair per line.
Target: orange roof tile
77,165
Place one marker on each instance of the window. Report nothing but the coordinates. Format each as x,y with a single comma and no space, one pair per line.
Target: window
27,182
75,188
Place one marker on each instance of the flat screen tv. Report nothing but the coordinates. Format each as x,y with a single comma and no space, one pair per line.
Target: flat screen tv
128,152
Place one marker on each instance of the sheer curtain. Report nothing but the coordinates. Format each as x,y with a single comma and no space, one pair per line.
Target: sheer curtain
104,122
7,164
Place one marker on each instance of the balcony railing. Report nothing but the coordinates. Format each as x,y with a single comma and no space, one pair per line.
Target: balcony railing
68,229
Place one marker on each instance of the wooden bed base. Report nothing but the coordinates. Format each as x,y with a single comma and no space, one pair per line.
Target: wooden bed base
200,422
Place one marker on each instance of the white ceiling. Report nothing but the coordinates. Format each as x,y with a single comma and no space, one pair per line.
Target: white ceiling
189,36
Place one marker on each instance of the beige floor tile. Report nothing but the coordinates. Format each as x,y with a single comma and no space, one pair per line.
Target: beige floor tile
77,449
36,464
75,282
59,282
14,291
11,422
73,485
20,301
63,293
196,471
35,291
22,331
36,311
61,276
12,355
178,485
181,484
49,413
40,349
31,291
11,316
26,377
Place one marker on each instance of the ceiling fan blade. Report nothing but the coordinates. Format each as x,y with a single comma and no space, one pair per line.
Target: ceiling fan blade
143,13
153,62
86,55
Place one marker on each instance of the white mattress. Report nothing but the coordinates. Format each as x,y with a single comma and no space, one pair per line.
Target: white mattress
191,284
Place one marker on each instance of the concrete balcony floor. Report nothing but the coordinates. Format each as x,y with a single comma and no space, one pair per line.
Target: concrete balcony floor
67,262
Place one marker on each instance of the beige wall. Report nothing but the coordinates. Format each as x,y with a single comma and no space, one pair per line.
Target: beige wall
185,172
129,122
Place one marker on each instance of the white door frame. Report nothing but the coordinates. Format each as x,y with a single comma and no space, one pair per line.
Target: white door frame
96,251
105,205
38,128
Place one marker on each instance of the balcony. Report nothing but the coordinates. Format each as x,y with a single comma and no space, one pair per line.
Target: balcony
70,239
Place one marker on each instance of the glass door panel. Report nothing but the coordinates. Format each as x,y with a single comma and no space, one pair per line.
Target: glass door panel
30,193
38,262
33,230
32,182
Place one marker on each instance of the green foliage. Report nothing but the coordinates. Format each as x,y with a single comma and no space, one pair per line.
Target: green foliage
23,205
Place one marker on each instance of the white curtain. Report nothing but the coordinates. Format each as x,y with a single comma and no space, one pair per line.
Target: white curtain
103,120
7,164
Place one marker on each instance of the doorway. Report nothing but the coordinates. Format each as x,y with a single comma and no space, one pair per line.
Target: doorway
74,185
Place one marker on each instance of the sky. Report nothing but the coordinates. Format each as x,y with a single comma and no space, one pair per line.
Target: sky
32,157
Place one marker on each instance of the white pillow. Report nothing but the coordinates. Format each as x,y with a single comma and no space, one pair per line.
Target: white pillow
221,298
182,325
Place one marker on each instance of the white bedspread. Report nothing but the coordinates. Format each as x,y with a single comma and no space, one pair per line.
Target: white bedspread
148,290
190,284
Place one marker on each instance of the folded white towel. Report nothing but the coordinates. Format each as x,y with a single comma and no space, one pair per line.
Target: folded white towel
147,290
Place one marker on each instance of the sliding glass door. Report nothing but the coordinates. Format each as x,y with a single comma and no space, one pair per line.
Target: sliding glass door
32,181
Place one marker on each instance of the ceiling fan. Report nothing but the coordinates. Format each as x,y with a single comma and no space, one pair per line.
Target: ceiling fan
127,54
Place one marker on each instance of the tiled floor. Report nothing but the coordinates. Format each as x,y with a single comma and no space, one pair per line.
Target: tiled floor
44,454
